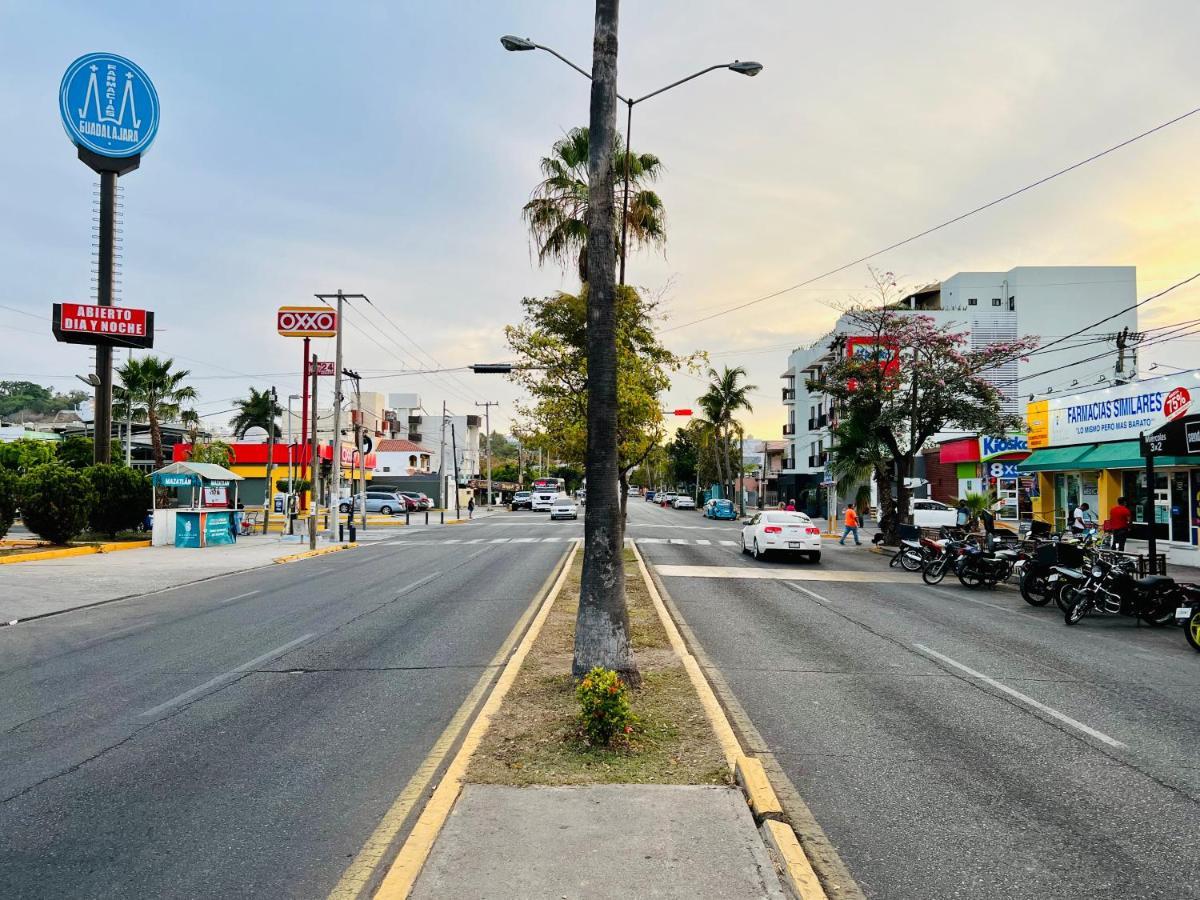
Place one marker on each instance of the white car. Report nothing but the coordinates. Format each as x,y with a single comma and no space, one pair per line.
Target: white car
682,502
783,532
665,499
544,500
564,508
932,514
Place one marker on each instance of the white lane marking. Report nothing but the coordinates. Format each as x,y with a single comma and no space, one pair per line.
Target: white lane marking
728,543
500,540
452,541
227,676
524,540
474,541
1050,711
959,596
551,540
774,574
677,541
651,540
704,543
689,527
240,596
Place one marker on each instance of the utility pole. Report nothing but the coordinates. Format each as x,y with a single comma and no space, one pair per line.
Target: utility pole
442,461
129,426
1126,343
335,452
315,460
269,497
358,445
454,453
487,427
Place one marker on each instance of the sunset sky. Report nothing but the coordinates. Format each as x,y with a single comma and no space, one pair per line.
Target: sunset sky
387,149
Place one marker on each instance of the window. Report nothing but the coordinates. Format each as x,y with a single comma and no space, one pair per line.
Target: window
1012,304
973,301
387,468
412,461
995,301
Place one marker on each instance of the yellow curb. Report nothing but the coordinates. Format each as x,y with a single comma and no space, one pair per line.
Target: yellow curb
753,778
797,870
64,552
403,873
320,551
358,874
457,521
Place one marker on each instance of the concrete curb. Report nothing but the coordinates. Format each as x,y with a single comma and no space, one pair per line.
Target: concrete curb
65,552
749,772
320,551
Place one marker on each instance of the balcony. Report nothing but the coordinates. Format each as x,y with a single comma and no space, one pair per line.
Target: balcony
812,424
789,429
789,394
822,420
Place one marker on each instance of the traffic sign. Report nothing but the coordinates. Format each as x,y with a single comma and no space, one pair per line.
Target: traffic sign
107,326
1179,437
306,321
108,105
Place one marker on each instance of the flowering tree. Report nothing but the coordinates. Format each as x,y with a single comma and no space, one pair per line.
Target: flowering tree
914,379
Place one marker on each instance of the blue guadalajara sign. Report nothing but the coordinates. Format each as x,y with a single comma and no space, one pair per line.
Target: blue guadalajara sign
108,105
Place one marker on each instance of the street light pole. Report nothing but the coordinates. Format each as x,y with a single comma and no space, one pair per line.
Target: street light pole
487,428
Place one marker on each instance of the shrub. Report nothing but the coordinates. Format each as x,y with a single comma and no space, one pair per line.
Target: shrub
122,498
604,706
8,501
55,501
76,452
23,454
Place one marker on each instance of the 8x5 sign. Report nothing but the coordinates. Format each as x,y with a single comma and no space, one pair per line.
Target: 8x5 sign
306,321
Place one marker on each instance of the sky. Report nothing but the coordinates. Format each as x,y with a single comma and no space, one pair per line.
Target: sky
387,148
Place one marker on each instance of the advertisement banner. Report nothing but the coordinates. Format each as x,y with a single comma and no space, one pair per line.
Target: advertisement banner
991,447
1119,413
116,326
881,350
217,529
187,530
1037,424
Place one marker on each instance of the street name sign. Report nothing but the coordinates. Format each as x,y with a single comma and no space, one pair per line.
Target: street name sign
1179,437
108,326
108,105
306,321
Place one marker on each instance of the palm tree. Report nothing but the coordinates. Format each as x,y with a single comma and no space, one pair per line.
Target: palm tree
855,455
557,211
259,411
154,392
726,396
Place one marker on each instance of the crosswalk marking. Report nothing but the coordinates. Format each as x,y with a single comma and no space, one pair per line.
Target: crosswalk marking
500,540
805,574
678,541
525,540
453,541
703,543
474,541
728,543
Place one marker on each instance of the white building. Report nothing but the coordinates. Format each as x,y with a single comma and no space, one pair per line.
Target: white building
1049,302
458,436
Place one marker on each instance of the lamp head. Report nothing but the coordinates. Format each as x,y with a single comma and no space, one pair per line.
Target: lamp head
746,68
510,42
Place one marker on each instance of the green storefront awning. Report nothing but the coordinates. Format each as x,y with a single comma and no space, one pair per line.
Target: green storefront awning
1054,459
1114,455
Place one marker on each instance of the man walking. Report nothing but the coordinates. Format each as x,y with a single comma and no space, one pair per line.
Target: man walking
1120,517
962,518
851,522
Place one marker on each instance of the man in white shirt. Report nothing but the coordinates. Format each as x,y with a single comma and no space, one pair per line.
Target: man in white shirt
1081,519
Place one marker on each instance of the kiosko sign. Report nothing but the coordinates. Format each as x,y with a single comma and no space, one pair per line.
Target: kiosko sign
306,321
112,326
108,105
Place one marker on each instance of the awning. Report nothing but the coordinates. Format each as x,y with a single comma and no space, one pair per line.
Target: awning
1055,459
181,473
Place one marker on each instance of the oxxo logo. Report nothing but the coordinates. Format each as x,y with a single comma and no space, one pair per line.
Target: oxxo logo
1176,403
306,321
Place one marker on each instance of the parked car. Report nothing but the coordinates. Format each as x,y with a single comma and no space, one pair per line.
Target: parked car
719,508
782,532
385,503
666,498
424,501
683,501
522,500
933,514
634,490
564,508
650,495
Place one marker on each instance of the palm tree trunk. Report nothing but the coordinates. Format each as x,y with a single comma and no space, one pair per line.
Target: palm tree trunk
155,437
602,625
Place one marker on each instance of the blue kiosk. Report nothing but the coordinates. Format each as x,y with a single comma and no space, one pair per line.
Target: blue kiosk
210,518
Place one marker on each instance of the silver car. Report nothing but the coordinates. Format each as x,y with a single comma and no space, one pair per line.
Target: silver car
382,502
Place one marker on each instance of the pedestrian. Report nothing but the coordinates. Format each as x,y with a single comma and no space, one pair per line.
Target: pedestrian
962,517
1081,519
1120,517
851,521
791,507
471,508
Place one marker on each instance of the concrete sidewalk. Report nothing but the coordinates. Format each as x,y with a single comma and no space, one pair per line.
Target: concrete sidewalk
599,841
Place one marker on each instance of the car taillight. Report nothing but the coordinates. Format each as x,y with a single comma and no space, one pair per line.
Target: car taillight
773,529
811,530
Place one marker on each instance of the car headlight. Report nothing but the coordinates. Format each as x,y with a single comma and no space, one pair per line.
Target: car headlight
1097,572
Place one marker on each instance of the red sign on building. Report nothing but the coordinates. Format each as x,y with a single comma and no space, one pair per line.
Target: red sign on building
306,321
114,326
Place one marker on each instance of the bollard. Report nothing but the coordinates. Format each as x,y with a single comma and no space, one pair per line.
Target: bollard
353,534
341,532
443,516
406,516
426,517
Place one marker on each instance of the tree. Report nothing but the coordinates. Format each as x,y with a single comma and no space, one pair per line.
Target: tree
122,497
76,452
23,454
506,471
557,213
921,378
25,397
8,500
216,452
683,456
726,396
55,501
259,411
155,392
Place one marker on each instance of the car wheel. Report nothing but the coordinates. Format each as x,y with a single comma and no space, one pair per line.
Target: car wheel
745,549
755,552
343,507
386,510
815,556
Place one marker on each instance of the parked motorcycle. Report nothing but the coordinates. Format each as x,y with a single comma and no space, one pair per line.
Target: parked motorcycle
1188,613
978,567
1113,588
948,552
1042,575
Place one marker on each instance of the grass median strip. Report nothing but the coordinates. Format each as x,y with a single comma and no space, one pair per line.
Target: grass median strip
535,736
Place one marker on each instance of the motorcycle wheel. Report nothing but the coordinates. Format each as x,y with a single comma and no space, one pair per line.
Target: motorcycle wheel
935,572
1079,608
1192,629
1162,614
1062,597
912,561
894,561
1033,589
970,578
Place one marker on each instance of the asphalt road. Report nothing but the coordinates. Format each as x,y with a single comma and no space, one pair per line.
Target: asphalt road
243,737
954,743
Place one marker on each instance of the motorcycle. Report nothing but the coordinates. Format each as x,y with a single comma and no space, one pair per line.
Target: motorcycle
978,567
935,570
1049,566
1113,588
1188,613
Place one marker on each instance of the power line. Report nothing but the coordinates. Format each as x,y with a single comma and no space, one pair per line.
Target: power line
947,223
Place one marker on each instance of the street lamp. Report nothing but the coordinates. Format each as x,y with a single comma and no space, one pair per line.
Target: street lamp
746,67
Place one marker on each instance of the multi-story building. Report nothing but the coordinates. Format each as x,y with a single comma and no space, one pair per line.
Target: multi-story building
1049,302
458,436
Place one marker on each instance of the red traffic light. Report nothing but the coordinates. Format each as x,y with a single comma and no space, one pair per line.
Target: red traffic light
682,412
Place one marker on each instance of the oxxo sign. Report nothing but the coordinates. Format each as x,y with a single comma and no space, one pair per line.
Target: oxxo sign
306,321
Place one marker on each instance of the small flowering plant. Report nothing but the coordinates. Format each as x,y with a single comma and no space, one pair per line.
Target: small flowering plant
604,706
